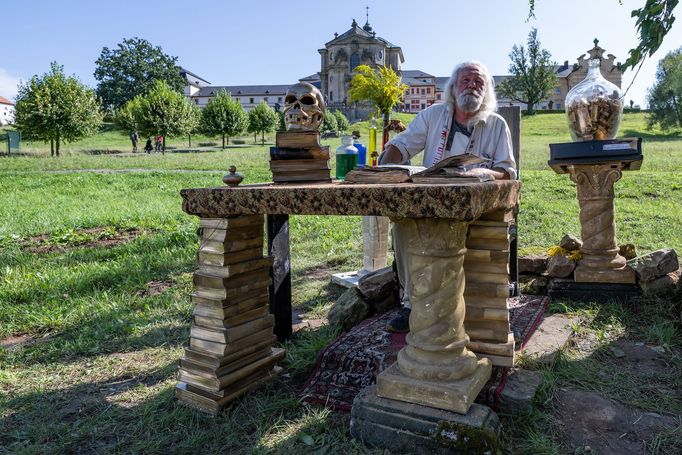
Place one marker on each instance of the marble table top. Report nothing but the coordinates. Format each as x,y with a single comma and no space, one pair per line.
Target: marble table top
464,201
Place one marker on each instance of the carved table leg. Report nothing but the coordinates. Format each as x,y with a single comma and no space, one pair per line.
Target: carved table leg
601,262
435,368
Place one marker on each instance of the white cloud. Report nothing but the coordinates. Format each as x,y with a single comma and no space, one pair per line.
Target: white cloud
8,84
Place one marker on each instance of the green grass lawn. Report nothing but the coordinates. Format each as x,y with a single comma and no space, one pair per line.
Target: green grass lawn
98,362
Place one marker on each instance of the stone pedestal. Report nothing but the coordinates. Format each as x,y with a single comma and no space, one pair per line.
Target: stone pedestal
435,368
374,251
601,262
411,428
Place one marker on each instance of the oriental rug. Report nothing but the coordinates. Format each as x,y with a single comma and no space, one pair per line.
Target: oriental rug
352,361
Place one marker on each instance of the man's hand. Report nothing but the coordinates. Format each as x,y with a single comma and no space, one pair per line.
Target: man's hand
391,155
497,173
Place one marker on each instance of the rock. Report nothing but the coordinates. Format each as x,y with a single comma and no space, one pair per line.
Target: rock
378,285
559,266
667,284
628,251
654,265
349,310
536,286
519,393
378,307
534,263
570,243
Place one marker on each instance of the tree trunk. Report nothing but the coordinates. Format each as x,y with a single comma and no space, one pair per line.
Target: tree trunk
529,108
57,145
676,107
163,145
51,147
255,139
223,141
189,137
262,138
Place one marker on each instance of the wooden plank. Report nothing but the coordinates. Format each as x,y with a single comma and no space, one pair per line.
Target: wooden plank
488,324
221,259
485,314
483,267
232,270
475,255
213,361
501,349
232,333
486,302
487,334
473,288
481,277
488,244
498,361
488,232
231,222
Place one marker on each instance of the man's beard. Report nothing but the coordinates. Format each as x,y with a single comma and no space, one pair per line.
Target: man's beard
469,101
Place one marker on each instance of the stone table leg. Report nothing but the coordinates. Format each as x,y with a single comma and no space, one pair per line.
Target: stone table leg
601,262
435,368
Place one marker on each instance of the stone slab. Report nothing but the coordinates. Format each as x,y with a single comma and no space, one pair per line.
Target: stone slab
410,428
591,292
347,279
455,396
551,335
623,275
465,202
519,393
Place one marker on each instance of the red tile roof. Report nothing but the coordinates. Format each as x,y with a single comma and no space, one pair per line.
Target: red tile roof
5,101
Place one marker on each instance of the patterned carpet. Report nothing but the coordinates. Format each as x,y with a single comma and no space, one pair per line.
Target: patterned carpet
352,361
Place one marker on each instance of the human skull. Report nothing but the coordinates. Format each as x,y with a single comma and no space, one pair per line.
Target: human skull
303,108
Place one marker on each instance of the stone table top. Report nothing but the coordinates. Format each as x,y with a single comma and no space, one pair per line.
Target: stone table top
463,201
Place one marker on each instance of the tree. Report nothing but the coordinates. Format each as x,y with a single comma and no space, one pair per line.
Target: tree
654,21
164,111
262,119
132,69
665,97
341,121
329,123
382,88
125,117
224,116
532,73
56,108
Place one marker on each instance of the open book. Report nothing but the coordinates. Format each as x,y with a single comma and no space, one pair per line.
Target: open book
449,170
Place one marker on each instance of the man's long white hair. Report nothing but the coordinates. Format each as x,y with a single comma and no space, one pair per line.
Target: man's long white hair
489,103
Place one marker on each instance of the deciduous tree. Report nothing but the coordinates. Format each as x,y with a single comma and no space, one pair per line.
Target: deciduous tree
381,87
532,73
132,69
262,119
665,97
164,111
56,108
329,123
224,117
341,121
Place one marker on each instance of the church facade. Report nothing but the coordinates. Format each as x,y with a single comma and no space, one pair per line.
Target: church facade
340,56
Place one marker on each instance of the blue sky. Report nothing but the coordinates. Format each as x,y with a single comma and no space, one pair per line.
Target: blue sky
276,42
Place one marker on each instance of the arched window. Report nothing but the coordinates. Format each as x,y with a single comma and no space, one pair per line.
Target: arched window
354,60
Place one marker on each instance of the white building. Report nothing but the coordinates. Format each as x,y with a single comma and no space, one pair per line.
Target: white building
6,111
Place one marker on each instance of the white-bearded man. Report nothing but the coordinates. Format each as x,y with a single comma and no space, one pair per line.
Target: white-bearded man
465,122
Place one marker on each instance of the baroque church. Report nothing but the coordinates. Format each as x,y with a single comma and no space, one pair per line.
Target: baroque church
357,46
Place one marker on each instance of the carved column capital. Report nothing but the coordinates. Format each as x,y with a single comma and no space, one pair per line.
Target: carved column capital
595,181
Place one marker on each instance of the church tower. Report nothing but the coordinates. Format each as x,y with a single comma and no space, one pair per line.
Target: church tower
357,46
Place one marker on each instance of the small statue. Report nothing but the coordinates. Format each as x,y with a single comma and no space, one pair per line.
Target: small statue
303,108
233,178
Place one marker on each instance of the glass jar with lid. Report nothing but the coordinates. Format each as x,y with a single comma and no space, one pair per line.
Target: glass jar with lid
594,107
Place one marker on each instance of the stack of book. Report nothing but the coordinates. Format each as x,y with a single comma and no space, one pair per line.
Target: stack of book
299,157
449,170
231,339
486,271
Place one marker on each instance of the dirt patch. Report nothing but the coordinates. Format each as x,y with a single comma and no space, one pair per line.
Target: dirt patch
99,237
317,273
16,342
155,288
301,321
592,424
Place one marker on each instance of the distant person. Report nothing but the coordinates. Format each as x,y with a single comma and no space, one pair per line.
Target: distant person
148,146
159,143
133,139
